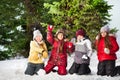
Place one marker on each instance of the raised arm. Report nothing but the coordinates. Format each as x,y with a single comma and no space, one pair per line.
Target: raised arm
50,37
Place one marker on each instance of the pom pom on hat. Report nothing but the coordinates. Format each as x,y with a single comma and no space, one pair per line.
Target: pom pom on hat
105,28
80,32
37,33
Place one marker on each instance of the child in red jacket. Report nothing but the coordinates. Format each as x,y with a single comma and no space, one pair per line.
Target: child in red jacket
107,46
59,50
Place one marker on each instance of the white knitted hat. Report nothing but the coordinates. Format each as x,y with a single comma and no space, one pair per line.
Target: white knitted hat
105,28
37,33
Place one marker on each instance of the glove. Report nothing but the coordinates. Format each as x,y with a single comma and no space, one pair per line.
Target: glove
106,50
50,27
84,57
70,45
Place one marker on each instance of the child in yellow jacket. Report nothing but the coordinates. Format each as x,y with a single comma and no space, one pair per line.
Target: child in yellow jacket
38,52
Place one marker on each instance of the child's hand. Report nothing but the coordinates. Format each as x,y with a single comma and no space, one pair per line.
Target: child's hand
70,45
106,50
50,27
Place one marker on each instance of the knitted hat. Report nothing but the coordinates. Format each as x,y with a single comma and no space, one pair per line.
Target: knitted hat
37,33
59,31
80,32
105,28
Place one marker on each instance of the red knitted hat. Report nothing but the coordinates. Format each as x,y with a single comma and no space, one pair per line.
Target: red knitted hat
80,32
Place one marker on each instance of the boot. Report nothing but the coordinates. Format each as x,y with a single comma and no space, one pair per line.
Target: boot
88,71
114,72
118,69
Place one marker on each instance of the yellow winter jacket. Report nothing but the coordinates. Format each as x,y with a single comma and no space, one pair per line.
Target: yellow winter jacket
38,52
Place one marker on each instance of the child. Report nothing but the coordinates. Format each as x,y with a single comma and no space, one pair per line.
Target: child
83,52
58,55
107,46
38,52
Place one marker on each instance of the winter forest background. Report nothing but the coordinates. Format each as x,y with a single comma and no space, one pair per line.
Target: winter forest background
13,68
18,19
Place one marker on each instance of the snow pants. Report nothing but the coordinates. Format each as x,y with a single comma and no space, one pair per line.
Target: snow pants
61,69
106,67
79,69
33,68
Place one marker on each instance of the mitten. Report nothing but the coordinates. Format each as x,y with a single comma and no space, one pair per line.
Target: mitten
106,50
70,45
50,27
84,57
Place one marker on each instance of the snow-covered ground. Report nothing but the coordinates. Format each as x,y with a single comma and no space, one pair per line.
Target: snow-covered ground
14,70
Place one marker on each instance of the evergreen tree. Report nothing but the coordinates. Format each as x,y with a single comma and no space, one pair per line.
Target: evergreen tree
19,18
24,14
74,14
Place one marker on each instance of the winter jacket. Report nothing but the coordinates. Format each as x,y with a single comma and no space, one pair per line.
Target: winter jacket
56,57
113,48
83,47
38,52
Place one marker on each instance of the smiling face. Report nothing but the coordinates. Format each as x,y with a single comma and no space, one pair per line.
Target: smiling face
103,34
38,38
79,37
60,36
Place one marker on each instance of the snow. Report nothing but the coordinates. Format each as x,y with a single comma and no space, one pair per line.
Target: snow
14,70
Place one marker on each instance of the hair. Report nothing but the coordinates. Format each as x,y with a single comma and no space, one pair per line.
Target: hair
60,49
106,40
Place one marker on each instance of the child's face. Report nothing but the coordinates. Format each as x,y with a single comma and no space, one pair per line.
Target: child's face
38,38
79,37
103,34
60,36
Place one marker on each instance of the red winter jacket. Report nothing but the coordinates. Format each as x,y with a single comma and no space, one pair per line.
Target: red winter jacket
56,57
113,49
